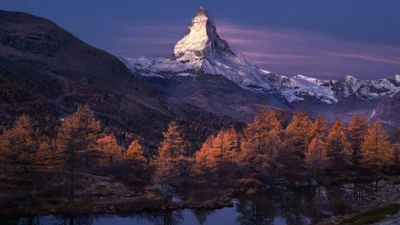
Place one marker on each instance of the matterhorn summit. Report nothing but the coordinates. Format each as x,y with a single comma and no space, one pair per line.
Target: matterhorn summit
201,40
203,52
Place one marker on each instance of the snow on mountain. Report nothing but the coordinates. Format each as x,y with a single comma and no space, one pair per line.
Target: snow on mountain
202,51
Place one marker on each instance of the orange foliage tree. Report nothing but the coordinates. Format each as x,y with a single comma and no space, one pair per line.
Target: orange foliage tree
111,151
262,143
18,148
358,129
298,135
376,151
135,156
337,146
170,157
316,158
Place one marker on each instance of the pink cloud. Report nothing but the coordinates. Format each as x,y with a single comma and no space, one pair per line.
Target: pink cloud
284,51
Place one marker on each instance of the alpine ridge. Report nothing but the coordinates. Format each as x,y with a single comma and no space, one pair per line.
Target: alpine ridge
202,50
204,67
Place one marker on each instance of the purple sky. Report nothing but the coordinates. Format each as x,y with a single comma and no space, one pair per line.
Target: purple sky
286,51
324,39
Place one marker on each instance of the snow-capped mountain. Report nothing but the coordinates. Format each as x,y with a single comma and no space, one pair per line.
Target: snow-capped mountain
202,51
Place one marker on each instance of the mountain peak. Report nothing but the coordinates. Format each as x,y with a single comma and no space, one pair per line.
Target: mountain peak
201,40
202,11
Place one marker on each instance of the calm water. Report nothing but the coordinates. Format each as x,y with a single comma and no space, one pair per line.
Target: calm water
280,206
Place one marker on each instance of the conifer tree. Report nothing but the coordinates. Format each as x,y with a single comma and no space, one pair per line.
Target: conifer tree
18,148
320,127
316,158
76,144
358,129
376,152
110,150
221,152
204,162
45,156
262,142
337,146
298,133
135,155
170,155
88,128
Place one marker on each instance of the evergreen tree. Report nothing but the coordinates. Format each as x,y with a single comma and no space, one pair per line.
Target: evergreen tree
376,151
337,146
358,129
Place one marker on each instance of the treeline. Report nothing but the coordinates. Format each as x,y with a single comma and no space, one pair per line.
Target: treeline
268,147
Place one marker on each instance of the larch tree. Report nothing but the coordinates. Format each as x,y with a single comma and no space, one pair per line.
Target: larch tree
358,129
376,152
111,151
204,162
170,156
262,142
18,148
76,144
298,133
319,127
88,129
337,146
45,156
134,156
221,151
233,143
316,157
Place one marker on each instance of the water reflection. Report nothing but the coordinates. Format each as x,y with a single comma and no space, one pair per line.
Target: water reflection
292,206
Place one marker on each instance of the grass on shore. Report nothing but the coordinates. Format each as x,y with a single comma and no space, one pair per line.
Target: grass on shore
373,215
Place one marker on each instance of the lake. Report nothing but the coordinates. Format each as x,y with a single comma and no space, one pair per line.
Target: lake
281,205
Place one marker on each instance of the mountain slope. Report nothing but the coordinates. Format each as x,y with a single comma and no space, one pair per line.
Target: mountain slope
201,53
46,72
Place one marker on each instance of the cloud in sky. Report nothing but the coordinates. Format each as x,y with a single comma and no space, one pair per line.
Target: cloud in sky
285,51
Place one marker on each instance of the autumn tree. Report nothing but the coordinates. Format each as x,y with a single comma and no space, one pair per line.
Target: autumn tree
376,151
111,151
76,144
221,150
298,133
204,162
319,127
316,157
358,129
18,148
337,146
262,142
88,129
134,156
45,156
170,157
